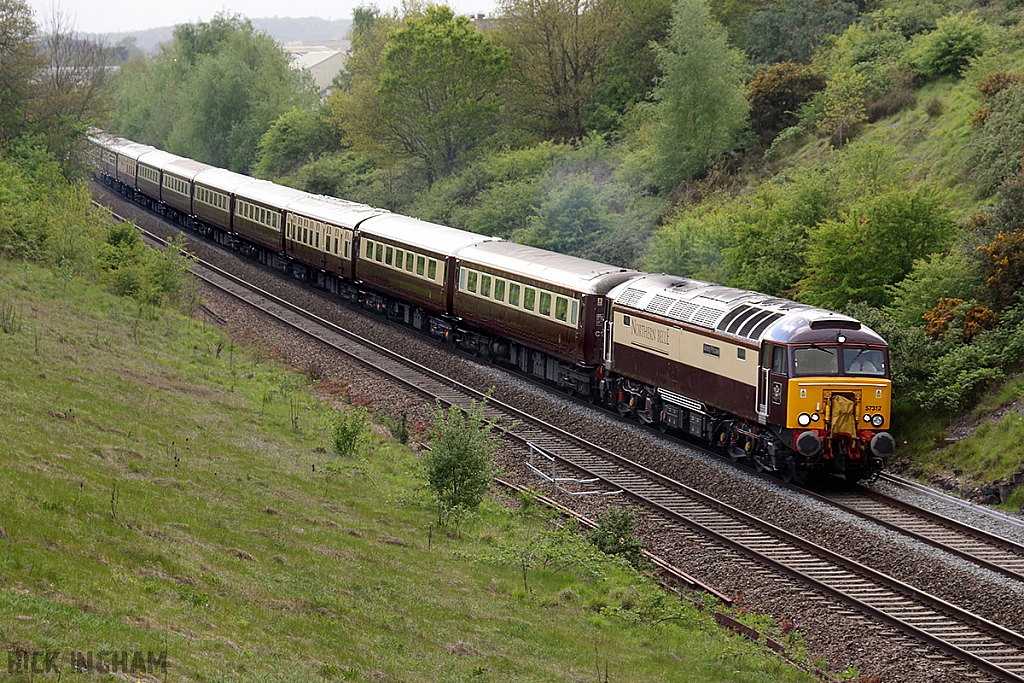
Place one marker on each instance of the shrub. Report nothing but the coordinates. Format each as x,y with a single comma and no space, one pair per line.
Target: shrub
776,94
459,463
934,107
950,275
1004,262
957,39
994,150
348,430
616,535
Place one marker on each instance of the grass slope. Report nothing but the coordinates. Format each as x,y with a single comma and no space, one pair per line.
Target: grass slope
165,491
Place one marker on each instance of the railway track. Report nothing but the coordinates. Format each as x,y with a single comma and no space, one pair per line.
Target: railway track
980,643
985,549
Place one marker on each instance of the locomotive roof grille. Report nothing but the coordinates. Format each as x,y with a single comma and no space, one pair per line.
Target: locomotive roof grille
631,297
733,315
756,333
707,316
659,304
682,310
752,322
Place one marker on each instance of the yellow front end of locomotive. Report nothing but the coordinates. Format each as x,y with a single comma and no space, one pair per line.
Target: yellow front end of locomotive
848,405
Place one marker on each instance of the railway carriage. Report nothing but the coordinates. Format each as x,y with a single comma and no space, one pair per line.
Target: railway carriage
320,232
550,306
258,214
149,169
414,262
127,164
791,386
213,192
176,185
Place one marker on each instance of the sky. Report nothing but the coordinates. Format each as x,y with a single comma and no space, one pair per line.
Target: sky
116,16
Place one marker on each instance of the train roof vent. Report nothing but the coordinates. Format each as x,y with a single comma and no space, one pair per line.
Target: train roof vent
764,325
631,297
732,315
740,321
749,326
659,304
706,316
682,310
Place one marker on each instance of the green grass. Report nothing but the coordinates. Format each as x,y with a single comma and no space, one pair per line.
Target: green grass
165,490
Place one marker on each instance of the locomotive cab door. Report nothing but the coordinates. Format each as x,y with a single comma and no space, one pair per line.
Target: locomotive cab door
772,382
764,382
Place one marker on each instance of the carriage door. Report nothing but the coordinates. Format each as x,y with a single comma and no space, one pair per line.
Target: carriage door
764,382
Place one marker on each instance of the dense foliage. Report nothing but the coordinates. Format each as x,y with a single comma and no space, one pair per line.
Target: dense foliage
211,94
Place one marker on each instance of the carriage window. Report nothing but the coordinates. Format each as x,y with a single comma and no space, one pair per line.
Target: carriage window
575,310
317,245
741,353
471,281
369,249
399,258
485,285
545,303
305,236
347,246
530,298
408,261
336,246
561,308
379,253
420,261
499,289
432,269
513,294
779,360
389,254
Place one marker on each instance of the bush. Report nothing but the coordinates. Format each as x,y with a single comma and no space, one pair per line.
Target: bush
459,464
776,94
934,107
1004,266
950,275
946,51
348,430
616,535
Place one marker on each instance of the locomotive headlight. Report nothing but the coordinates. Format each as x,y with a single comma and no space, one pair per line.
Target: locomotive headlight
815,417
867,418
804,419
877,420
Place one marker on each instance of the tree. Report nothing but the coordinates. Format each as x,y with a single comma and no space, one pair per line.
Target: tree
70,90
459,463
19,62
630,69
212,94
700,105
842,106
558,50
439,88
873,246
568,217
298,135
792,30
